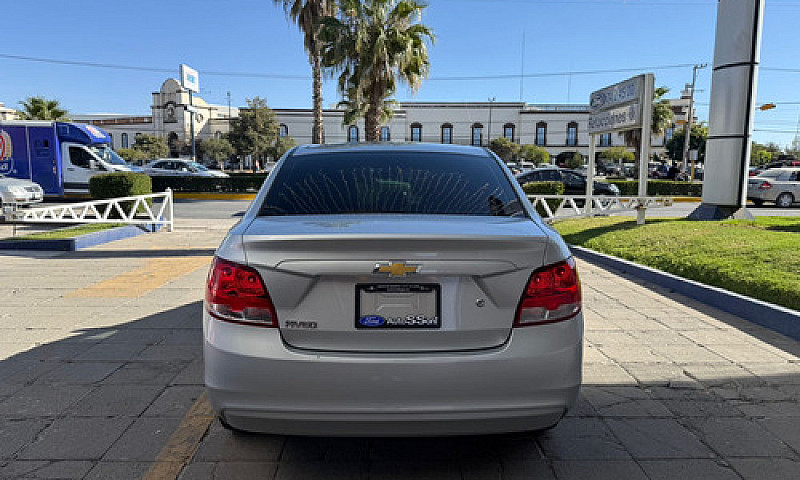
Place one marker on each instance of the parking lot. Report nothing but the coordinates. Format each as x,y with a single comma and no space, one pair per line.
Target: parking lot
101,378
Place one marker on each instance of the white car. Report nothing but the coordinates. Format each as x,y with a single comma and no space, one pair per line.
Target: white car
779,185
392,290
175,167
19,191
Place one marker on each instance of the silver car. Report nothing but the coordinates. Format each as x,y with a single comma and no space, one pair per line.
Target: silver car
19,191
390,290
779,185
175,167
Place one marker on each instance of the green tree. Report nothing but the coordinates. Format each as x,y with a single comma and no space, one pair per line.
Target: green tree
618,155
534,154
661,120
697,141
255,131
40,108
281,146
307,14
151,146
575,161
371,45
763,154
131,156
505,148
219,149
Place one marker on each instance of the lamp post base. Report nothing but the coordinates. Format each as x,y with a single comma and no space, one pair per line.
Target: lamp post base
709,211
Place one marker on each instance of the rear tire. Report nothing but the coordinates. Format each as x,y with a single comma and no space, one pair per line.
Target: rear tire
784,200
757,202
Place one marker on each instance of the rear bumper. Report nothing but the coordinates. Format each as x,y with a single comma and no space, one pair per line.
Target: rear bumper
257,383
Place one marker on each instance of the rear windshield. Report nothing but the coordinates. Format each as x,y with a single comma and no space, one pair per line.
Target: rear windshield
390,182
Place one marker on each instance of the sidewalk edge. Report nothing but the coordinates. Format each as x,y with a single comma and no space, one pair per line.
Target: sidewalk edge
774,317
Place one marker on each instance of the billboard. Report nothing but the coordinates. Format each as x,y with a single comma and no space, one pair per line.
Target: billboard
190,80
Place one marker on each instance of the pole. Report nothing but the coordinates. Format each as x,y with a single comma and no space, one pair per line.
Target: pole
229,111
590,174
489,133
191,119
644,151
522,68
688,132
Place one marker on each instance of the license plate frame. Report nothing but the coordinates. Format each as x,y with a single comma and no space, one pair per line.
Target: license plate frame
420,320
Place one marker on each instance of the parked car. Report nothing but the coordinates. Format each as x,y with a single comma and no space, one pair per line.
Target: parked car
176,167
381,289
574,182
19,191
779,185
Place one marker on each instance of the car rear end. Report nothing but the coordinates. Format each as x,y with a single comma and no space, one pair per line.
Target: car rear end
392,290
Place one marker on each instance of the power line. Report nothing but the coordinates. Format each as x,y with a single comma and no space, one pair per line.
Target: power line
116,66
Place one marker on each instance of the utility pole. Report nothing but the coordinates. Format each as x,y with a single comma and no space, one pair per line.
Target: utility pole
689,120
229,111
191,119
489,133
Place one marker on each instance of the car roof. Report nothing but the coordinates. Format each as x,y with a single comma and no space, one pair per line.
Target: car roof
389,147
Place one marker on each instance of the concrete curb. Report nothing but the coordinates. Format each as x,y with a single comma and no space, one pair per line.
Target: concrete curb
81,241
780,319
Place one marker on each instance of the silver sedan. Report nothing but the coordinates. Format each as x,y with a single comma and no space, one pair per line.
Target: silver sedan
389,290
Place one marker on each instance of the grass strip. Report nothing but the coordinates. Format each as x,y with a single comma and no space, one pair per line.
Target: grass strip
62,233
758,258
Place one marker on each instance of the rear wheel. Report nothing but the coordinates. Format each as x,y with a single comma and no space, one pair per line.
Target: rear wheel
784,200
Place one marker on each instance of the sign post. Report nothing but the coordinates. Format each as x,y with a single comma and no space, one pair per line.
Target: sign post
190,80
624,106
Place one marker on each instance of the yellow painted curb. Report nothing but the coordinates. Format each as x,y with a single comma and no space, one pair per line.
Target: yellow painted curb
686,199
214,196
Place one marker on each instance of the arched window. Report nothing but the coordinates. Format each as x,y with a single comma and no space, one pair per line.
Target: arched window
352,133
541,134
477,134
385,134
447,133
572,133
416,132
111,136
124,140
284,130
508,131
218,135
605,140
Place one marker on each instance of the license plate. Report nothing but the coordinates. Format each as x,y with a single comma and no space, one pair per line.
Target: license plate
398,305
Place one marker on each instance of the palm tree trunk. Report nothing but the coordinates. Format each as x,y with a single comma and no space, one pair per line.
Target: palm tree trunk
316,66
372,119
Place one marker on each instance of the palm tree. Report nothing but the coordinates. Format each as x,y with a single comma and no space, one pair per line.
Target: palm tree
307,15
39,108
372,44
661,121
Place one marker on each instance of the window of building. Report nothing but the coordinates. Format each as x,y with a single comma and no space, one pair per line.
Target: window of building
284,131
669,134
447,133
124,140
352,133
218,135
572,133
416,132
541,133
605,140
477,134
111,136
508,131
385,134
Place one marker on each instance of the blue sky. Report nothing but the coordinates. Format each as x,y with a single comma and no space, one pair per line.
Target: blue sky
474,38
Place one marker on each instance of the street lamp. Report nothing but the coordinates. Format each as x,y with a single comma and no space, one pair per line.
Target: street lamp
689,120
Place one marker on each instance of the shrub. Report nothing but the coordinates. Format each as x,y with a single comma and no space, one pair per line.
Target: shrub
545,188
236,183
630,188
120,184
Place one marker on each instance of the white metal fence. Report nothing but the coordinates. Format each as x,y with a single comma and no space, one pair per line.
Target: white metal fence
150,209
566,206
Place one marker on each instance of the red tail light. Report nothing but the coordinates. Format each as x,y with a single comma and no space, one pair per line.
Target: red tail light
765,186
235,293
553,294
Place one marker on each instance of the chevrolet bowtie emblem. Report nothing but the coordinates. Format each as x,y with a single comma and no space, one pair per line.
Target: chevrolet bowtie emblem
395,269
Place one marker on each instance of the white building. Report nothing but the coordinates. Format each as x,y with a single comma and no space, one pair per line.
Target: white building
560,129
7,113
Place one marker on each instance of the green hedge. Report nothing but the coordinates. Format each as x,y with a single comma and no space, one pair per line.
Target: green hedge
545,188
247,183
630,188
120,184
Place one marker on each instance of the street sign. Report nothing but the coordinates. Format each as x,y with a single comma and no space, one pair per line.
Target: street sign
626,117
190,80
618,94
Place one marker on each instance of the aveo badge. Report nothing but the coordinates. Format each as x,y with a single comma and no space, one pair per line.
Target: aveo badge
372,321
